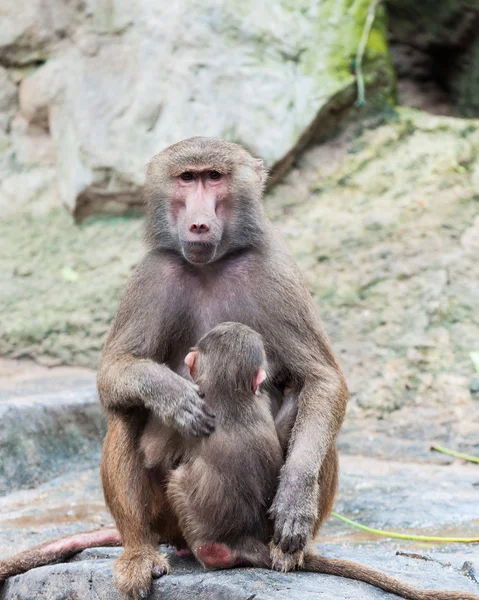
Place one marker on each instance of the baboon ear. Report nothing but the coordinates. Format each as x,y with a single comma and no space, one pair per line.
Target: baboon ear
190,362
258,379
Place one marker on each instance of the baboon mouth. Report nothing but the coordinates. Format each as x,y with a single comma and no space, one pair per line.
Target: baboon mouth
199,252
199,245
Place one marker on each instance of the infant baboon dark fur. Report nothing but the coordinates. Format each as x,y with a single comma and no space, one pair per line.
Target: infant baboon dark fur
224,486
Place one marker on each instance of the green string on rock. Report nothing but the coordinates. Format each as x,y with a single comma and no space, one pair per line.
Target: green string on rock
404,536
469,457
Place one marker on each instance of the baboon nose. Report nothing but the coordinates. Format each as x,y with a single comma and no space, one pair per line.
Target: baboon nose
199,227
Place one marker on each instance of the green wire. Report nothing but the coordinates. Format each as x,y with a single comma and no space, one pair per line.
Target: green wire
469,457
404,536
421,538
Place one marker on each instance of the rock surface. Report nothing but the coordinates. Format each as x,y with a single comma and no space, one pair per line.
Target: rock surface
115,84
414,494
65,504
49,420
410,497
90,576
442,501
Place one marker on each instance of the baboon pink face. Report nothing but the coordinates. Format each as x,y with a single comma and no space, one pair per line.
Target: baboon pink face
198,208
204,200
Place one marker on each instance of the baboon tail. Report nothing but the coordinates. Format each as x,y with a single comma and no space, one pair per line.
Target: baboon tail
57,550
353,570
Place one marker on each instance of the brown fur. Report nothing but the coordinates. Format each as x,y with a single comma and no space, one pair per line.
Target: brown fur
186,284
225,485
170,303
240,271
228,357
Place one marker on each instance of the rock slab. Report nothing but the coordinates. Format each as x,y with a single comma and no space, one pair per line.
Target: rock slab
50,420
89,577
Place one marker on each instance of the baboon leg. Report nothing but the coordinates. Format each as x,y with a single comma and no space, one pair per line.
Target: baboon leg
129,491
165,522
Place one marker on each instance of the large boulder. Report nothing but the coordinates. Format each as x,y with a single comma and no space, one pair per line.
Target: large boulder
128,80
32,29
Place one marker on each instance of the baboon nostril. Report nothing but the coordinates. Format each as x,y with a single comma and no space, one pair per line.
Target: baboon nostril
199,228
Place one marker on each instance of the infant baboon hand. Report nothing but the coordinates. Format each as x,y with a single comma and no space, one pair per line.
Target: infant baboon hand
188,413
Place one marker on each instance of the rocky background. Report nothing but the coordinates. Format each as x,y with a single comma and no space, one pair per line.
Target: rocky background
377,194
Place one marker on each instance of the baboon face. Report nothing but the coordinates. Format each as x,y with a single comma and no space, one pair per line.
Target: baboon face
204,199
198,210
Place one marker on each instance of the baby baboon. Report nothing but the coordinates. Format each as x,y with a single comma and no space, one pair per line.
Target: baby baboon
224,486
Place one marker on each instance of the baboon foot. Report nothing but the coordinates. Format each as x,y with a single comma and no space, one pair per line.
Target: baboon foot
135,569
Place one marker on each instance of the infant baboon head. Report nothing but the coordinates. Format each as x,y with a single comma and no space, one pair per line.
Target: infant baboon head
229,359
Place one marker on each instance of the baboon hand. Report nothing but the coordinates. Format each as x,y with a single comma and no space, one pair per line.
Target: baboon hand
187,412
295,512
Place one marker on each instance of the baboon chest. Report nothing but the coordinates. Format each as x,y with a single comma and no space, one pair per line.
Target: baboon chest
207,300
226,294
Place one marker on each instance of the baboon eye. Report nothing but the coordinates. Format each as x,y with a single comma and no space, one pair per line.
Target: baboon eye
215,175
187,176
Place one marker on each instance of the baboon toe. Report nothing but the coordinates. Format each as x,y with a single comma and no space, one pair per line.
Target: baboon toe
282,561
161,565
134,572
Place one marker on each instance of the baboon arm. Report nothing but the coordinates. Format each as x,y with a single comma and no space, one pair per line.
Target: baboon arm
125,381
301,347
130,373
321,407
128,381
